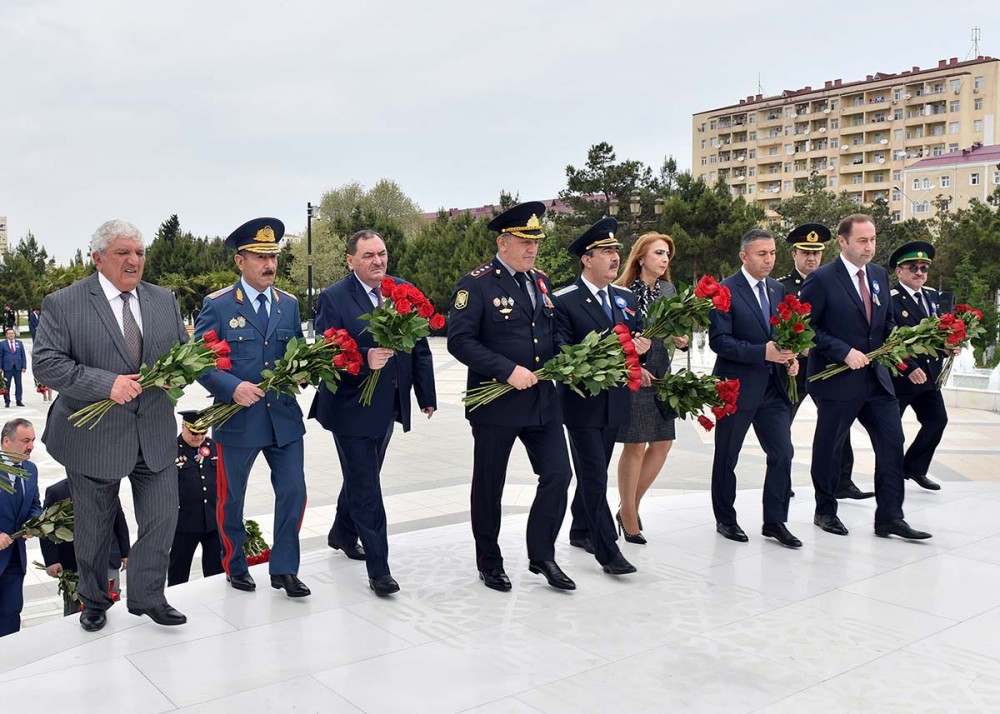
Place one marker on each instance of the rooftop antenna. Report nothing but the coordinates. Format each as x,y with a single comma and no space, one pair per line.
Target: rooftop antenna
976,36
760,87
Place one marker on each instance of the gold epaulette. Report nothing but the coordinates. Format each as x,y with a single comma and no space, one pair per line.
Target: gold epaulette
285,292
219,293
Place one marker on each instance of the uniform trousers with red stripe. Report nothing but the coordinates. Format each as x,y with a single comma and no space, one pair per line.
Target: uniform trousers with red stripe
289,484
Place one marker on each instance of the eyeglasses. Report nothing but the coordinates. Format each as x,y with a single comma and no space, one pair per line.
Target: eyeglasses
918,268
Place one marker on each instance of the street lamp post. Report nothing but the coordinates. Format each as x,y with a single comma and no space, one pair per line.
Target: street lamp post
635,222
311,212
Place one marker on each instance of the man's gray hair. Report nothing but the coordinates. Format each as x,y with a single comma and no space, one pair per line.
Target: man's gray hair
752,235
110,230
11,427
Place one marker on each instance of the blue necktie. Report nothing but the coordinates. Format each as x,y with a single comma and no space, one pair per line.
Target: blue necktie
606,305
262,311
765,306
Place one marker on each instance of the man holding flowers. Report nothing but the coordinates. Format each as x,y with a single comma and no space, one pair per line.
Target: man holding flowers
362,432
18,437
257,321
743,341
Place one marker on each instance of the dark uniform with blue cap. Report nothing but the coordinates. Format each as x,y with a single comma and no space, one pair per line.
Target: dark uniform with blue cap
196,520
593,304
257,320
502,325
911,304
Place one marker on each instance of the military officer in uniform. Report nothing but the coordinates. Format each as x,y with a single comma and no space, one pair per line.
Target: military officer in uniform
196,520
257,320
502,326
917,387
590,304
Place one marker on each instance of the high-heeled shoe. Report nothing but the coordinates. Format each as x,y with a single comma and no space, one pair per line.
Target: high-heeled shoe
636,538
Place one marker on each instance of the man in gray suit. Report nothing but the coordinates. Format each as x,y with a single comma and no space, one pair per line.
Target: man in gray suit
91,340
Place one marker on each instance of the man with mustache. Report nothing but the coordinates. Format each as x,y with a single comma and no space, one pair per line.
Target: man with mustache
257,320
591,304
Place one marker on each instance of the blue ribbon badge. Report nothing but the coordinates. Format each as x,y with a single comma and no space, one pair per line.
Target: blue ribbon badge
621,303
876,290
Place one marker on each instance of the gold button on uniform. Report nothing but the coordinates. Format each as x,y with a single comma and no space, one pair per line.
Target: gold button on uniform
538,359
536,340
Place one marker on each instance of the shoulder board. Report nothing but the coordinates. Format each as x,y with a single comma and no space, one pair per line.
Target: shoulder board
541,272
285,293
929,290
783,278
894,292
566,290
219,293
482,270
622,288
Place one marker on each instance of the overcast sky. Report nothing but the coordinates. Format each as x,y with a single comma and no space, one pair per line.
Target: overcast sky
223,111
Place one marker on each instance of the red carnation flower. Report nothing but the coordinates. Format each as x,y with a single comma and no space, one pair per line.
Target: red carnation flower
224,363
798,327
706,423
775,320
437,321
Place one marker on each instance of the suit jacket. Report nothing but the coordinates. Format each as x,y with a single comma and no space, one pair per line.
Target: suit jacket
341,306
739,339
15,360
64,553
32,323
577,315
15,509
492,328
79,350
277,418
838,318
905,311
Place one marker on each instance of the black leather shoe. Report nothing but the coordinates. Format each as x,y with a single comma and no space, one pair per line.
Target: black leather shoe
20,404
780,534
899,527
93,619
791,494
925,482
851,490
829,523
242,582
495,579
292,586
618,565
354,551
732,531
383,585
582,543
553,573
161,614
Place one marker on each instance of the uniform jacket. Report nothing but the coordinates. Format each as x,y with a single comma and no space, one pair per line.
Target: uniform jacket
341,306
578,314
905,311
838,318
276,419
492,328
64,553
196,487
79,350
10,361
739,339
15,509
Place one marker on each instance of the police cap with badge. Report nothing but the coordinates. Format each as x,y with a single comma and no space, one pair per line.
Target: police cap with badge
189,419
809,236
917,251
521,221
599,235
261,235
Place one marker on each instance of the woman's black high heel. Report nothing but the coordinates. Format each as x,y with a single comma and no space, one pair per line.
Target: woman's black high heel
636,538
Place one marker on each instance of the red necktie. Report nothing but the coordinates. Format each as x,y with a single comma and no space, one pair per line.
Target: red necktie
865,297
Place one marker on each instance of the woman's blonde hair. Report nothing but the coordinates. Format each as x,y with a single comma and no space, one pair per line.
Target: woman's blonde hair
632,268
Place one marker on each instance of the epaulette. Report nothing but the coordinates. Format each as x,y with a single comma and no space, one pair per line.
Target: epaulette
541,272
482,270
783,278
566,290
894,292
622,287
285,293
219,293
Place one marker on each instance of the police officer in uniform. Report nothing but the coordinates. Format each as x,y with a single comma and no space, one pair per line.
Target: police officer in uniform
502,326
917,387
808,242
196,519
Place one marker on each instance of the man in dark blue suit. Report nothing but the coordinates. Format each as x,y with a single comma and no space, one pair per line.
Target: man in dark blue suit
13,362
257,320
852,315
502,325
741,339
592,304
33,318
18,436
361,433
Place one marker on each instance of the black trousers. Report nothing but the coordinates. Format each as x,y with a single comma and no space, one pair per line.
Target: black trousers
546,447
847,453
182,553
591,449
11,594
933,417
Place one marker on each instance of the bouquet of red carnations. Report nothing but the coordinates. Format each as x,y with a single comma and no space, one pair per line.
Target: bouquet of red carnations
686,311
792,332
598,362
303,363
688,394
404,316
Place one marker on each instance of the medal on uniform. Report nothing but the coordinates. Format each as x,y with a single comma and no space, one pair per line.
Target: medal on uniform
233,323
241,321
496,302
905,313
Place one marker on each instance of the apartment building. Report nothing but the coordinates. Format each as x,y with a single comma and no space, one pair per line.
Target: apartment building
856,136
957,177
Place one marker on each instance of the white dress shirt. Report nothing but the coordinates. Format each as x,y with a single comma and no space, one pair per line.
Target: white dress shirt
113,295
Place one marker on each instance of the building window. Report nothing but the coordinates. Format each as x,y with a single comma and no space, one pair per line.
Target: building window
946,182
897,175
713,124
916,184
713,158
712,176
897,135
835,123
788,186
977,125
704,160
921,207
773,151
927,184
956,85
974,179
750,188
977,83
752,154
897,114
953,105
834,143
897,94
952,147
752,136
897,216
857,179
938,150
753,171
953,127
996,178
788,168
896,194
703,144
978,104
878,177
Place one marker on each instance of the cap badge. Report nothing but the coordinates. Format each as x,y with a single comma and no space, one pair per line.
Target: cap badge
265,235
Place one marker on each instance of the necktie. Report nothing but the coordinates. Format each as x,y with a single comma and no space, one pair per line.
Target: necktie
262,311
865,297
12,345
376,293
765,306
605,304
522,281
130,328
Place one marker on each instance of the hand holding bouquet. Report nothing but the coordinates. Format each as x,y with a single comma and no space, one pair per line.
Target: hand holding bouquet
972,320
688,394
792,332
